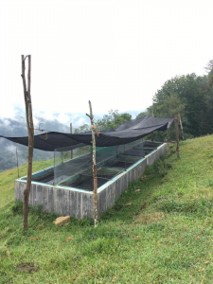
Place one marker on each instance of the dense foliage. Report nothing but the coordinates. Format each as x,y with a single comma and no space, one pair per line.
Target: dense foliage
192,97
109,121
112,120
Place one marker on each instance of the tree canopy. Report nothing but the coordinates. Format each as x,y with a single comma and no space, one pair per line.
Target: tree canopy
109,121
189,95
112,120
192,97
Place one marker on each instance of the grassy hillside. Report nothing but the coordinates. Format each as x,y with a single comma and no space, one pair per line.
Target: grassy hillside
160,230
8,177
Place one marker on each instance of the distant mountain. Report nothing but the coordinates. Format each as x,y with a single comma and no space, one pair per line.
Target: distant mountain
11,153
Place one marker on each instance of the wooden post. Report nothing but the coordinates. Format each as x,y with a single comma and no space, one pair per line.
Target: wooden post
30,127
71,152
177,132
17,163
181,126
94,167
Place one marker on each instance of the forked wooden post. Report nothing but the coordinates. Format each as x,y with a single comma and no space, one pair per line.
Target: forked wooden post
30,127
94,167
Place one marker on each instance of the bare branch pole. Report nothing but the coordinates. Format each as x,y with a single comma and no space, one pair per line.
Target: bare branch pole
17,163
181,125
94,167
71,152
30,127
177,131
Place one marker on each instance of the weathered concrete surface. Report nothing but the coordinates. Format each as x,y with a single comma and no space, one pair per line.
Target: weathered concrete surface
111,191
79,203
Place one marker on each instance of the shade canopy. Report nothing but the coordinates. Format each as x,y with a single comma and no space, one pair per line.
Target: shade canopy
125,133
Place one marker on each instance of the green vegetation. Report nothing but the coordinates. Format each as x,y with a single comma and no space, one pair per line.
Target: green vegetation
109,121
160,230
192,97
8,177
112,120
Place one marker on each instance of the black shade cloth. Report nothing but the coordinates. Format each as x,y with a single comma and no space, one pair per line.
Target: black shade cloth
125,133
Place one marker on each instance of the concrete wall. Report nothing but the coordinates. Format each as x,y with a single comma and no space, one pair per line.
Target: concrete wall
79,203
60,200
111,191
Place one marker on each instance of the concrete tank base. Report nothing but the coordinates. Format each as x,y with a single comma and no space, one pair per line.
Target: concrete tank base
78,203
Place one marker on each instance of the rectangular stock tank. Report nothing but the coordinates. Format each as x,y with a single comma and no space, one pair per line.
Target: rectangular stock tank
66,199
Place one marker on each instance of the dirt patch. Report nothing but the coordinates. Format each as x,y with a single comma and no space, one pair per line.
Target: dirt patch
149,218
27,267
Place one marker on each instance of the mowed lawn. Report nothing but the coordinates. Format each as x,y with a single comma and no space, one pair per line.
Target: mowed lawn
159,231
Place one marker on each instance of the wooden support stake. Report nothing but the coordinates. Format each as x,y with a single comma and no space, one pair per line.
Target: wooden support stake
30,127
17,163
94,167
181,126
177,131
71,152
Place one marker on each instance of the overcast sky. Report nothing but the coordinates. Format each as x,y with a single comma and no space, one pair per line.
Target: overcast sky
116,53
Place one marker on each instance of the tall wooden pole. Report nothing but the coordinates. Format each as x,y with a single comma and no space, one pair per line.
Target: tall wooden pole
71,152
17,163
94,167
181,125
177,132
30,128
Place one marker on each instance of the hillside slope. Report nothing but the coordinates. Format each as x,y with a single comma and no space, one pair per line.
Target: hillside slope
160,230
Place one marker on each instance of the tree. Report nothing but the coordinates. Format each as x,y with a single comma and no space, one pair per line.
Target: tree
209,69
109,121
83,128
112,120
189,95
143,114
169,106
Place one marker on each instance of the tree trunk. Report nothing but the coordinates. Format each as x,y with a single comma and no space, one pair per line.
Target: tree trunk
30,127
94,167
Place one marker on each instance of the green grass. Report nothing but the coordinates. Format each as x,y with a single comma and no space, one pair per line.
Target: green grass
159,231
7,179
